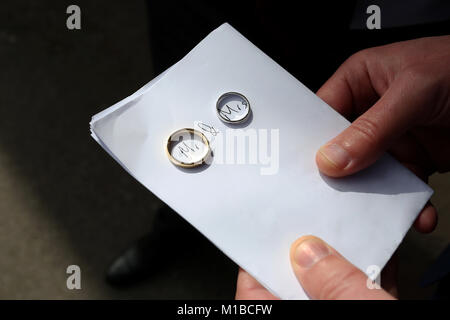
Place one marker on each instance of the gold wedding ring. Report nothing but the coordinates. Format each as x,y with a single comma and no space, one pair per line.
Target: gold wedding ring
187,148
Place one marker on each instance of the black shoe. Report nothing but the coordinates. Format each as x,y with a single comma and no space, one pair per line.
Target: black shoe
152,252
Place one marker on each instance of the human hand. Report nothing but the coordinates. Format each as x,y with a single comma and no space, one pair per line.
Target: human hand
322,272
400,97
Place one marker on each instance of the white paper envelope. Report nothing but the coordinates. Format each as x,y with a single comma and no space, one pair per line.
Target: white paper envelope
255,209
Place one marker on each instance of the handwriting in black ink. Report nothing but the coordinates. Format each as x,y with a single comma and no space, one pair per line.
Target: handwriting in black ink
227,112
208,128
185,151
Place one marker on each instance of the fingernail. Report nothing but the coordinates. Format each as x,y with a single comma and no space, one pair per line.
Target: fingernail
335,155
309,252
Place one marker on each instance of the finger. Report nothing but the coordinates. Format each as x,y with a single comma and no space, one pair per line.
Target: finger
325,274
363,142
427,219
349,90
249,289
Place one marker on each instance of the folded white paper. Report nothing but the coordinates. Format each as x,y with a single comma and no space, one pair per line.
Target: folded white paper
254,208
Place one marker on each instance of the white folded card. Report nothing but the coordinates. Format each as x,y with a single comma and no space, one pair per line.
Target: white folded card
262,189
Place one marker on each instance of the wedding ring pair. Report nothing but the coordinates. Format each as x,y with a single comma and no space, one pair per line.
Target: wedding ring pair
188,148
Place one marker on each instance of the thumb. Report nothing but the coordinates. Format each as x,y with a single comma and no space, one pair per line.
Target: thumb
325,274
369,136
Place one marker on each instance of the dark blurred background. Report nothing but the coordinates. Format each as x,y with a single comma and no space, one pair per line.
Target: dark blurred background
63,200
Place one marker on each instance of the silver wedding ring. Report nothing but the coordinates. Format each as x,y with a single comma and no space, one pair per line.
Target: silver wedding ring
233,108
